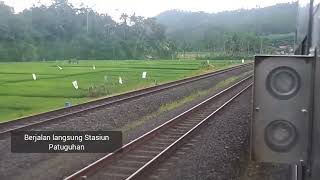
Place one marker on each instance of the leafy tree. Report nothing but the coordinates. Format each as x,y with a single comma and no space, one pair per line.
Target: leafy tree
59,31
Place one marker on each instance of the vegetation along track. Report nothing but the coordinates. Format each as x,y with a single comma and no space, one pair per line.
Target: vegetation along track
141,155
27,122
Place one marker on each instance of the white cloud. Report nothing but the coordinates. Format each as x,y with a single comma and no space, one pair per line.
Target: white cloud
151,8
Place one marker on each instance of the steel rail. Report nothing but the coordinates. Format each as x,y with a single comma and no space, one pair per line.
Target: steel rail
106,102
178,142
111,157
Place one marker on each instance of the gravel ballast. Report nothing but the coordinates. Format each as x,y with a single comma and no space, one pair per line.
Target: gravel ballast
57,166
220,151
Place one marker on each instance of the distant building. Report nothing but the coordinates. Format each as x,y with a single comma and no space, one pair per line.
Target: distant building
149,57
284,49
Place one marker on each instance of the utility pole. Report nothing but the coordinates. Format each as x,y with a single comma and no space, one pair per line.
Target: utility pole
87,21
248,48
294,43
88,17
260,45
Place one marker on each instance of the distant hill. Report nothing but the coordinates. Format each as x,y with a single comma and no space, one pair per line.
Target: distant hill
193,27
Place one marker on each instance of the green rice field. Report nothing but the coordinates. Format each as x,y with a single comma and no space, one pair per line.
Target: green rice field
21,95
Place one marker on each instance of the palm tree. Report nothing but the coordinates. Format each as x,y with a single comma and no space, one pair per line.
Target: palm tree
124,17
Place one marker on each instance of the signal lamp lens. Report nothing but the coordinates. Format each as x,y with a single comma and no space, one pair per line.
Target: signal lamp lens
283,82
280,136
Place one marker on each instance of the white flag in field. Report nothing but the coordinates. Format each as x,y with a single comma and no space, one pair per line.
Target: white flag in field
120,80
144,75
34,76
75,84
59,67
94,67
242,61
106,78
208,62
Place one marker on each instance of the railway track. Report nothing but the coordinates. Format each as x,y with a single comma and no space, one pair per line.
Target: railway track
78,110
138,157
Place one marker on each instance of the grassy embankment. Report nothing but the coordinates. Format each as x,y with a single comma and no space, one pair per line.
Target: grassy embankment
184,101
21,96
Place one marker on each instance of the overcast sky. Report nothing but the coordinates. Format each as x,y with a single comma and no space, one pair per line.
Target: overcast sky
149,8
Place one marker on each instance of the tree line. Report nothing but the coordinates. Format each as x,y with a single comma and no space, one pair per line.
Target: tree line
233,33
61,31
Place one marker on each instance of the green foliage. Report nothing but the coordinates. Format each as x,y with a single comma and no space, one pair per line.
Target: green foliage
240,33
61,31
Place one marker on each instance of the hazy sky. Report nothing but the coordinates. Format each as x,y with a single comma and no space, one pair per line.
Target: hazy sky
151,8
